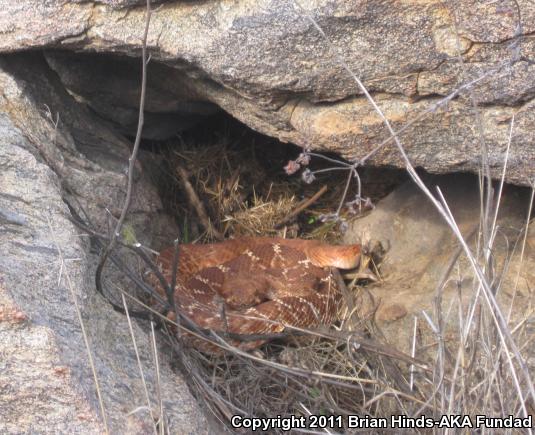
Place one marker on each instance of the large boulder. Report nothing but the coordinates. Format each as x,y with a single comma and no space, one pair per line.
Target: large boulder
422,252
266,64
51,151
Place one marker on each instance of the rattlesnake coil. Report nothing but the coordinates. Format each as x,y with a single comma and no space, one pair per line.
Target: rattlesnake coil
257,285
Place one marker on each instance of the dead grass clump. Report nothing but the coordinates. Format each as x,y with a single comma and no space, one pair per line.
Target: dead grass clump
261,216
240,186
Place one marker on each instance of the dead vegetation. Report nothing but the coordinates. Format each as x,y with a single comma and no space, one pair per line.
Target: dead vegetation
240,187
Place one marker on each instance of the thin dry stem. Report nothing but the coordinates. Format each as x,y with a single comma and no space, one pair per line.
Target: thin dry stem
82,327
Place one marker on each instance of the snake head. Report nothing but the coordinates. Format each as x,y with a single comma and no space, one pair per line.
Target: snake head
341,256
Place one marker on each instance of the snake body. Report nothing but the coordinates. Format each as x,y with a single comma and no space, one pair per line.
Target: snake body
258,285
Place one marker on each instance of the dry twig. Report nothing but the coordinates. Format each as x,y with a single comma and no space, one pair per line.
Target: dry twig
303,205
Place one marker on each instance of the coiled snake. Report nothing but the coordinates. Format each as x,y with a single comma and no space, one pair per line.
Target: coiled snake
258,285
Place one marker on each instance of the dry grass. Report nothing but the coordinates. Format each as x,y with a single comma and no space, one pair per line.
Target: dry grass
245,192
260,216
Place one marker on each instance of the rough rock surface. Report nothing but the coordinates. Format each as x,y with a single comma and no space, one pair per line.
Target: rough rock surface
420,247
51,149
265,63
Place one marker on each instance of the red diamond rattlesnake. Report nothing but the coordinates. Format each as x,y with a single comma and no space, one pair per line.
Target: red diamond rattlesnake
258,285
